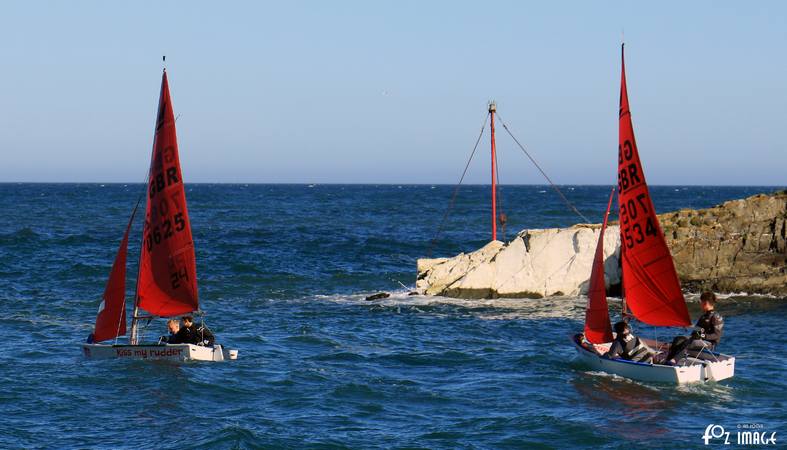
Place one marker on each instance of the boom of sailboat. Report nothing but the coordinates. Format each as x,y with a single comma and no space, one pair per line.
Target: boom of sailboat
167,275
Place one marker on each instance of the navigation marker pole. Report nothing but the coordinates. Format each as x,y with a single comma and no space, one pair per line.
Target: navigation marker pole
492,110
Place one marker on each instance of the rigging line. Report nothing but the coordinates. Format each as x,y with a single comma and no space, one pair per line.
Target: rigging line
145,328
551,183
132,334
456,190
132,338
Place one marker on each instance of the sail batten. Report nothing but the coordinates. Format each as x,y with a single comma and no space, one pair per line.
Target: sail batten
598,329
650,282
167,282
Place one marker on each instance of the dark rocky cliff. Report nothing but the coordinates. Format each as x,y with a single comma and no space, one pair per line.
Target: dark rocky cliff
738,246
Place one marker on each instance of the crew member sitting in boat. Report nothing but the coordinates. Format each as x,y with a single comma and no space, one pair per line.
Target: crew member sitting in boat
177,335
627,346
198,335
707,332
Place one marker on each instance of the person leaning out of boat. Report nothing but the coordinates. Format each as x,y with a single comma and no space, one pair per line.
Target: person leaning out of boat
198,335
627,346
707,332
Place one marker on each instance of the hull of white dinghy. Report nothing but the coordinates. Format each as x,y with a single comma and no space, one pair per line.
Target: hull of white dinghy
715,366
156,352
707,366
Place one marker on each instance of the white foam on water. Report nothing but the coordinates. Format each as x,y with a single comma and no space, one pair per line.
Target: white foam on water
695,296
510,308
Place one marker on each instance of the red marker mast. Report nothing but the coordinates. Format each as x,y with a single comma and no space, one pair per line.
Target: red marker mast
492,109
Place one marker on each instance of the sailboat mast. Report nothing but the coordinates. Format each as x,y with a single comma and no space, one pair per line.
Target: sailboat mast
134,337
492,110
134,318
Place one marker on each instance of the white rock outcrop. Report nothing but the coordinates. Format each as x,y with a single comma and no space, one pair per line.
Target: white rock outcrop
537,263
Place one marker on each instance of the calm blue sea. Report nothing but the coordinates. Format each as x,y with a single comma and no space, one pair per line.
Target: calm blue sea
283,272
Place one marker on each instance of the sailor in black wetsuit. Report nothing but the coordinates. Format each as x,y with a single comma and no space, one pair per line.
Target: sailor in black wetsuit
177,334
198,335
707,333
627,346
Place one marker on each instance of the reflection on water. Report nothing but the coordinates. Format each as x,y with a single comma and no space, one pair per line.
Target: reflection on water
634,410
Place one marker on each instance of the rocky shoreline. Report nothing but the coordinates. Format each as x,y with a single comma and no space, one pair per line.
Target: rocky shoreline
738,246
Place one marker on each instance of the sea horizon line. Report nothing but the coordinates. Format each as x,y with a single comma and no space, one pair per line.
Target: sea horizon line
256,183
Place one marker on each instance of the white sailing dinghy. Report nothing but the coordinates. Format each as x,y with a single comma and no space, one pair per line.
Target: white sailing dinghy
650,284
167,277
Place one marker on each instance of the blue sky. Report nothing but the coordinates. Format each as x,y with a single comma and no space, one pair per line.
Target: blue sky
393,92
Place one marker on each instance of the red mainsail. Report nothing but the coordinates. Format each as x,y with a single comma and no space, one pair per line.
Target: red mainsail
650,283
167,284
111,318
597,326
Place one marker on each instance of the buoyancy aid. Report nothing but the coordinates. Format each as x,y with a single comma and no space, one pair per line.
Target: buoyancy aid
634,349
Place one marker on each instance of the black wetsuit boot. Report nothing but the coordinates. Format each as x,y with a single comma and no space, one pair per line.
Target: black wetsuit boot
678,345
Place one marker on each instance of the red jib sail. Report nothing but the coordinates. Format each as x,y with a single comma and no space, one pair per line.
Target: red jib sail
167,284
597,327
650,282
111,318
